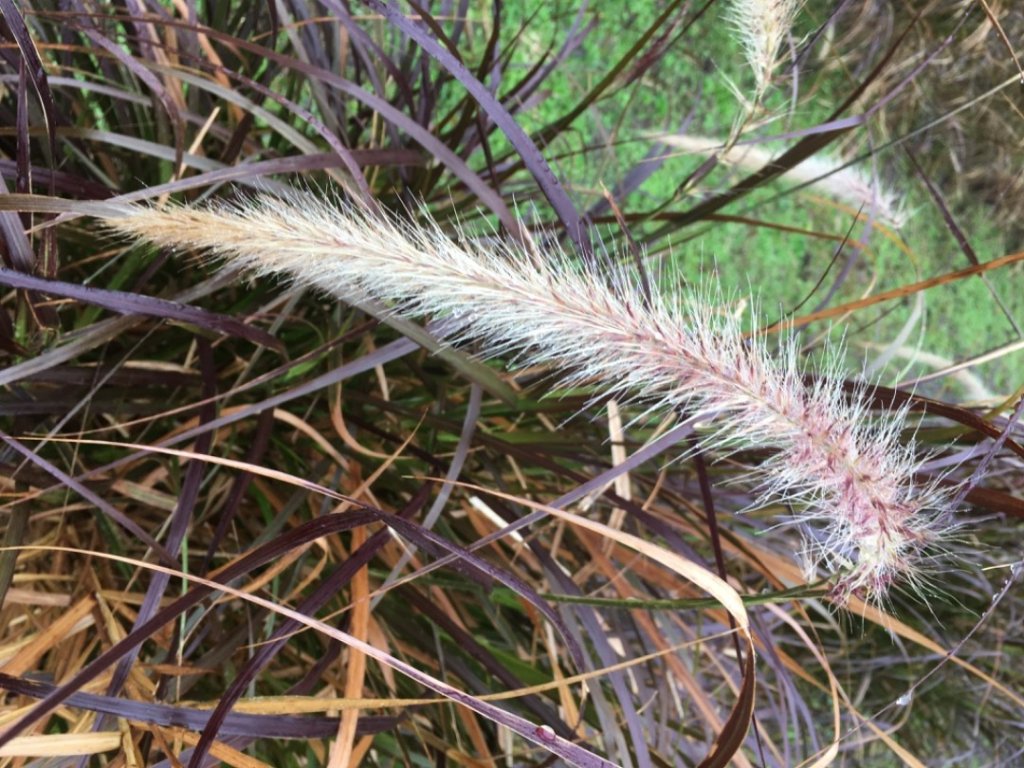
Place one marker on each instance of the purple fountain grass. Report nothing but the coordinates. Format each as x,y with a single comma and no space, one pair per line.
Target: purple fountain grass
849,477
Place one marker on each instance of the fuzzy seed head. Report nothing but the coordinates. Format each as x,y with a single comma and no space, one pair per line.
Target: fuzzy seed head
761,26
827,175
850,478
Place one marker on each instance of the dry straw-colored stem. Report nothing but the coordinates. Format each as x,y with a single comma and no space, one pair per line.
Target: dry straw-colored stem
847,475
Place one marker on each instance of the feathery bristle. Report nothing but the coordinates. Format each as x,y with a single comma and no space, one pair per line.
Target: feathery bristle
851,477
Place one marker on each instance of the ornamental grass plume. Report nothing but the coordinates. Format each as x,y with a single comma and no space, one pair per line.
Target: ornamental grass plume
761,26
850,478
829,175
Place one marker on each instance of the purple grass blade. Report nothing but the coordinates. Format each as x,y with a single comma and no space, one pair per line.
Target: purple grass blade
129,378
15,245
136,304
257,174
310,681
151,81
23,147
44,204
531,156
362,44
67,184
235,724
980,471
103,506
34,69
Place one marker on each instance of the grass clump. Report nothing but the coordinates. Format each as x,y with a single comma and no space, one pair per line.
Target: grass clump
518,482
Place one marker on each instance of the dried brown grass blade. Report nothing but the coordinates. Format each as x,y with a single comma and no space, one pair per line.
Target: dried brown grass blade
896,293
62,744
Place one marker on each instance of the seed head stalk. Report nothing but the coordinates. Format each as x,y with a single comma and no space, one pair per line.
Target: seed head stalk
850,478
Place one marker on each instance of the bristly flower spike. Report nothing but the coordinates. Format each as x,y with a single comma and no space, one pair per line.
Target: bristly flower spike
849,476
761,26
